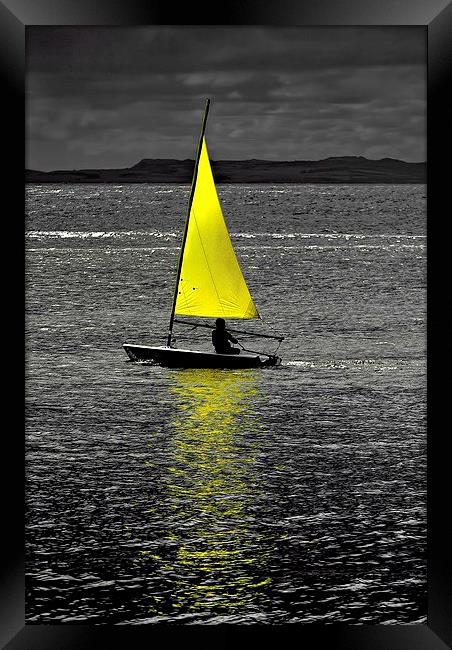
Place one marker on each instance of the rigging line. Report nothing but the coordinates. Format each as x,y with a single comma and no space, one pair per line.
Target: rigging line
278,346
264,354
230,329
269,355
193,328
270,327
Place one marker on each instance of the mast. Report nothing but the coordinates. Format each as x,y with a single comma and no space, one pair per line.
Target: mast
184,238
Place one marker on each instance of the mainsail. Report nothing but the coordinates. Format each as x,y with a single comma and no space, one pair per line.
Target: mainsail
211,283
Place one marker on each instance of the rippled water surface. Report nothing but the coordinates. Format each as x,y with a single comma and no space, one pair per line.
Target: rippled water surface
289,494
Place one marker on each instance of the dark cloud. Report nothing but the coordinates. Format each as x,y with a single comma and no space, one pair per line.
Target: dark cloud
107,97
190,49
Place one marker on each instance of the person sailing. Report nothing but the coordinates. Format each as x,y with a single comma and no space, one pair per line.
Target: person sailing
221,338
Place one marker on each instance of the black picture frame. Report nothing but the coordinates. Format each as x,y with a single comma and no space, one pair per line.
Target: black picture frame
436,17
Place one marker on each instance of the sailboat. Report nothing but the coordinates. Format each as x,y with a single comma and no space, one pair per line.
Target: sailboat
209,281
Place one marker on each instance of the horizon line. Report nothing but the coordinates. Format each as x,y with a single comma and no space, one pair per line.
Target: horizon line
220,160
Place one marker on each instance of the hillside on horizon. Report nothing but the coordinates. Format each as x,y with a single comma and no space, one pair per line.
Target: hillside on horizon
344,169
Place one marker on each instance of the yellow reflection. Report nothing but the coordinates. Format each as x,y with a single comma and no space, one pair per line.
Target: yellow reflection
217,562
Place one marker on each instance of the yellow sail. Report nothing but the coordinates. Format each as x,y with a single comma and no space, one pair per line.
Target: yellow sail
211,283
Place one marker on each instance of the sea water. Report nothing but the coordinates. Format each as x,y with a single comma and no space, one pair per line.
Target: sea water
294,494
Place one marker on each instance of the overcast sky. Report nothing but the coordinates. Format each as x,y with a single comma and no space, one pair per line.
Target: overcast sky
108,97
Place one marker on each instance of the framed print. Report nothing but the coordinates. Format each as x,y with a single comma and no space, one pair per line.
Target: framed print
234,416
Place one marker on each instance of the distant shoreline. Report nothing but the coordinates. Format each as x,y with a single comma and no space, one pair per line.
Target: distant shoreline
347,169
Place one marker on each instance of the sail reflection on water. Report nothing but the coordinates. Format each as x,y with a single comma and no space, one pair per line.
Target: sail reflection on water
218,566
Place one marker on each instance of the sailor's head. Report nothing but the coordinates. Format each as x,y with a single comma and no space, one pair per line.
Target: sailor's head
220,324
